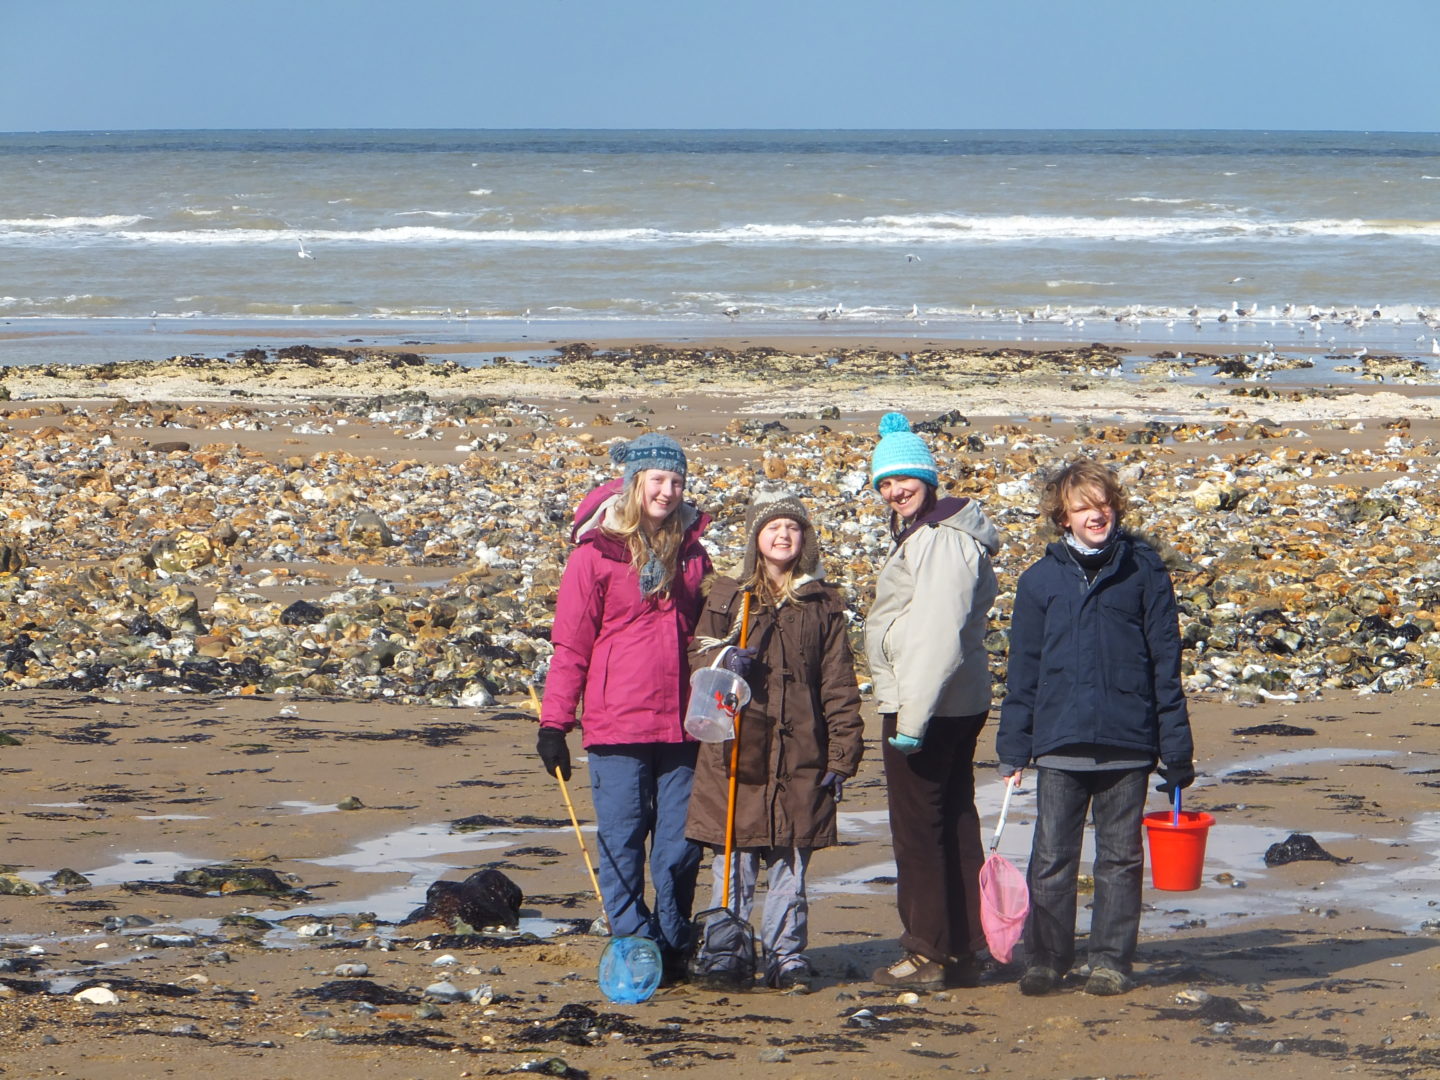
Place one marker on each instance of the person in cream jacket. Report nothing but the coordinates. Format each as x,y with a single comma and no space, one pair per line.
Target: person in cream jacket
925,640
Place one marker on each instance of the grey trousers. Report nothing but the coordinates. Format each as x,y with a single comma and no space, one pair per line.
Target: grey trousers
785,921
1115,800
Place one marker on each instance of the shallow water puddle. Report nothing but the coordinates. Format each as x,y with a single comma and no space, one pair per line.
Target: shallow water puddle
1304,756
417,851
1404,894
302,807
132,866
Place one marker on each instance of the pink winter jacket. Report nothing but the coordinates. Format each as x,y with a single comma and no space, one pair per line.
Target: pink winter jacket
622,654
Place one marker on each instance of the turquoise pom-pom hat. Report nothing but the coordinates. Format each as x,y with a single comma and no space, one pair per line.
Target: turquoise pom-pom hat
900,452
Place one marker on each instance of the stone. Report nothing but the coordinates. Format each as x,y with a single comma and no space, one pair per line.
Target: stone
368,529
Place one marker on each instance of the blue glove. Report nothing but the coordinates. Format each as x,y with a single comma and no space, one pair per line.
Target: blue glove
836,783
738,661
906,744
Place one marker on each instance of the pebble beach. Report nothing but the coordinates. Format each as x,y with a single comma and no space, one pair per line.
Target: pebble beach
333,570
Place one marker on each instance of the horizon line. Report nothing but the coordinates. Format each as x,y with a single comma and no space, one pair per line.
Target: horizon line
732,130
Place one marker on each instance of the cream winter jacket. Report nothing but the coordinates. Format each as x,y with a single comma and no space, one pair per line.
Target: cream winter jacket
925,633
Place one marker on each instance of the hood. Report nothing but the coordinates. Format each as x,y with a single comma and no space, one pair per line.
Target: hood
599,506
808,583
963,515
593,507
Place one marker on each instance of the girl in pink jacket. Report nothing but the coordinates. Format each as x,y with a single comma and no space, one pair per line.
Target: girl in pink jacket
628,603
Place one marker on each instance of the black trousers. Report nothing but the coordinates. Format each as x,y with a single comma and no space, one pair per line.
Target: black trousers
935,834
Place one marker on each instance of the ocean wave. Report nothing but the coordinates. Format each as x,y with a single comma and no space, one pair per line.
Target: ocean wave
928,229
57,224
74,304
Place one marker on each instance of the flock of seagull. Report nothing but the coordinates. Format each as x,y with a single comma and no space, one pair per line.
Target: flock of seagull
1315,320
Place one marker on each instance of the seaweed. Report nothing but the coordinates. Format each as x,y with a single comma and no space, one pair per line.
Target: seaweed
1289,730
1299,847
358,990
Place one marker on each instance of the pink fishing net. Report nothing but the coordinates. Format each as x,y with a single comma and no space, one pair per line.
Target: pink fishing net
1004,903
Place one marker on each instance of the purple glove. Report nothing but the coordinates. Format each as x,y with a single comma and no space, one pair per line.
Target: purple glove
836,783
738,661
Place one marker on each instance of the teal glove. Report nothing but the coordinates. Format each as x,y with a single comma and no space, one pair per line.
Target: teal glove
906,744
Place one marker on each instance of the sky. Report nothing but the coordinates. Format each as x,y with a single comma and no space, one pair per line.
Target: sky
79,65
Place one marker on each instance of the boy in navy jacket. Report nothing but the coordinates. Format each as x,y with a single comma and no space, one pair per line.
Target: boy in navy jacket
1094,701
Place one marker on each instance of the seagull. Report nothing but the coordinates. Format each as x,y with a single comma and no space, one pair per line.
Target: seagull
1434,347
304,252
731,313
912,258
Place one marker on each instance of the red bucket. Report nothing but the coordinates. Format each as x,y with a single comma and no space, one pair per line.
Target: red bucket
1177,851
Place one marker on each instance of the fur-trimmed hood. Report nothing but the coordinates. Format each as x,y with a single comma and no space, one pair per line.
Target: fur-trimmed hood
601,507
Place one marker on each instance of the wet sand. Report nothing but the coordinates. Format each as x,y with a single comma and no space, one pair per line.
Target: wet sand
1313,967
129,791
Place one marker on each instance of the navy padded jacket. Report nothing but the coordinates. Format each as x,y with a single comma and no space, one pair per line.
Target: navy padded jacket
1095,662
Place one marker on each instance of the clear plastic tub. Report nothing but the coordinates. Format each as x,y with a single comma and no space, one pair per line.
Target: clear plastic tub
716,695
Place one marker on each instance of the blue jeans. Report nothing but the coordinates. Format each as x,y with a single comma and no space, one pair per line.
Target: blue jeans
642,791
1116,800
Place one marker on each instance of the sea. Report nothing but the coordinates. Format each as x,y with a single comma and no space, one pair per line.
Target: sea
130,245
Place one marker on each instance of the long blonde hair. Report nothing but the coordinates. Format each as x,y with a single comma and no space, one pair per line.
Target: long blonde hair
627,524
768,592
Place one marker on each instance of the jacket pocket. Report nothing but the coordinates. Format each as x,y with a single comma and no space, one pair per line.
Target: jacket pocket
885,642
1133,681
597,681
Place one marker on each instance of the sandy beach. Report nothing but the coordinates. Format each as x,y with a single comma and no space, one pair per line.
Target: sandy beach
170,707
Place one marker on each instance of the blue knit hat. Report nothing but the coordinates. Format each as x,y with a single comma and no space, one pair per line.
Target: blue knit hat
650,451
900,452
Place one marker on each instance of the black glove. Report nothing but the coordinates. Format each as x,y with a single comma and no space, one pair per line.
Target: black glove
738,661
1175,774
554,753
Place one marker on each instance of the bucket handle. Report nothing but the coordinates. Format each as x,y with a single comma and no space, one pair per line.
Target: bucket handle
1176,819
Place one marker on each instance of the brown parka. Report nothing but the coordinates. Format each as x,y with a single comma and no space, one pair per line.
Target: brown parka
803,720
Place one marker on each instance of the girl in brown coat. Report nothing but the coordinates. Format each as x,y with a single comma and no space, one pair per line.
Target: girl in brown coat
800,736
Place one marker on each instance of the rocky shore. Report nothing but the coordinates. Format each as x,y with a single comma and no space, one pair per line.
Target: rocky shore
271,625
407,544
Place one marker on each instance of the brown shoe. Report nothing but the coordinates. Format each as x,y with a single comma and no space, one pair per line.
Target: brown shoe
912,972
